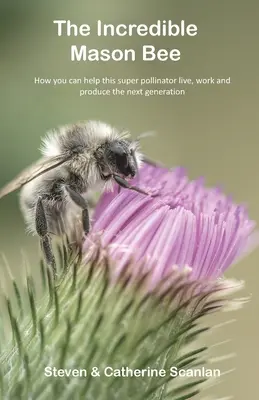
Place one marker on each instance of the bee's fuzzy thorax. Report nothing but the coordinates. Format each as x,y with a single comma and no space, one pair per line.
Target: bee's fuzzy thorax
89,135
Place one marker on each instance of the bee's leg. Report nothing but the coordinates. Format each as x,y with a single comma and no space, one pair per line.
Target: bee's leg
125,184
42,230
81,202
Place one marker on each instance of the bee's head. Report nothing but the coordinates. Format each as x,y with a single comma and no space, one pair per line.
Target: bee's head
122,157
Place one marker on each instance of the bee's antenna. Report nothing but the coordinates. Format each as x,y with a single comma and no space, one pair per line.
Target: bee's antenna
144,135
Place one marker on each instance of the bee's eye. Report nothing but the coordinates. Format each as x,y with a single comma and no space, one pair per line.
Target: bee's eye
121,160
120,155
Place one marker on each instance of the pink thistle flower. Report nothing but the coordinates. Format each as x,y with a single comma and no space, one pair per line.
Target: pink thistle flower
183,223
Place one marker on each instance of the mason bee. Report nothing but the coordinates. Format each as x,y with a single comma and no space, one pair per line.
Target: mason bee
75,158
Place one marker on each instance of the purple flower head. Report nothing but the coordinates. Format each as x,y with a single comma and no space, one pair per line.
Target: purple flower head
183,223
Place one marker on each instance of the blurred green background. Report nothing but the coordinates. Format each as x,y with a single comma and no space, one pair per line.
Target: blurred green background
212,130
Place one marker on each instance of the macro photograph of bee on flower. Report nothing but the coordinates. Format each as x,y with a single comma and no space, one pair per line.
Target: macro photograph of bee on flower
129,200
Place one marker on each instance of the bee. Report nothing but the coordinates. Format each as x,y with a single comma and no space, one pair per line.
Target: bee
75,159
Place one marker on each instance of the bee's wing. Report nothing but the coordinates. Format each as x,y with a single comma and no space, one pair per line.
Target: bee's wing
32,172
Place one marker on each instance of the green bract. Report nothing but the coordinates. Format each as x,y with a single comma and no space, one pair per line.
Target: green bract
89,318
